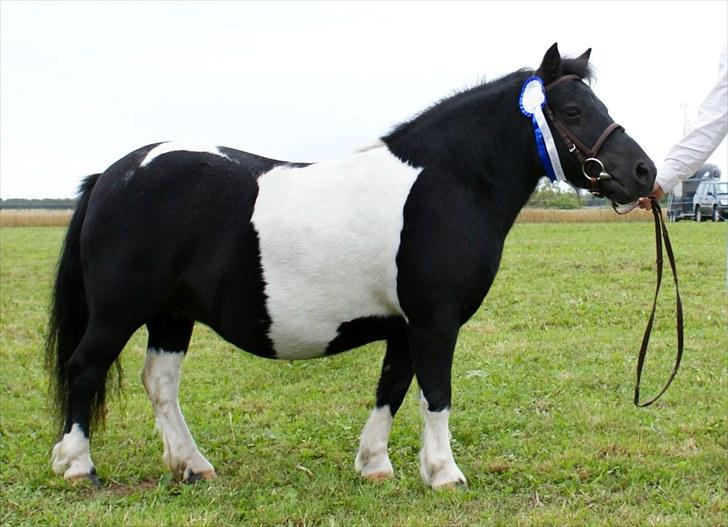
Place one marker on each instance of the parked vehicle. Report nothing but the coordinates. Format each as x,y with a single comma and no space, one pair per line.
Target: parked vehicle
711,200
683,205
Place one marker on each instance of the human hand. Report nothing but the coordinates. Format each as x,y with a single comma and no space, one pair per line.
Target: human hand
657,195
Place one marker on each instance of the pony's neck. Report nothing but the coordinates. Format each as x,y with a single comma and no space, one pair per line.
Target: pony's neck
480,138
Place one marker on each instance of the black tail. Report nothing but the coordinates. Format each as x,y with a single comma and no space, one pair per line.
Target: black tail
69,314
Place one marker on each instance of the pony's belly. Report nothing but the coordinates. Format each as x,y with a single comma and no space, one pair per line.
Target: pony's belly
313,338
328,238
289,345
308,306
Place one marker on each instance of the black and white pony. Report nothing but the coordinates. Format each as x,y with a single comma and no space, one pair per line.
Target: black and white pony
398,242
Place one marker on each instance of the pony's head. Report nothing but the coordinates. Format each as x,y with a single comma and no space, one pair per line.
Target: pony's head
594,151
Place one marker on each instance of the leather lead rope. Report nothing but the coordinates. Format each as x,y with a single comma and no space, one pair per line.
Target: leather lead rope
660,235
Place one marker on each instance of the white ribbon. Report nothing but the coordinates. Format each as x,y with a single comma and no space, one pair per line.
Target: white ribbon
548,139
532,99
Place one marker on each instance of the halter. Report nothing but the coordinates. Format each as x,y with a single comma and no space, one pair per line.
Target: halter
591,166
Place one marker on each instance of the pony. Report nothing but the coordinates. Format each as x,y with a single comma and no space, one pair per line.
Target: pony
399,242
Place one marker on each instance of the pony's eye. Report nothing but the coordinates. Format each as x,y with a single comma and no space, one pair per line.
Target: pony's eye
572,112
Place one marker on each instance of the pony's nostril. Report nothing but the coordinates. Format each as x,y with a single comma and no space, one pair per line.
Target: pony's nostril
645,171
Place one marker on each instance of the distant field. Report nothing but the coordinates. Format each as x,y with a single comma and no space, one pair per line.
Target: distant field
34,217
591,215
59,218
543,424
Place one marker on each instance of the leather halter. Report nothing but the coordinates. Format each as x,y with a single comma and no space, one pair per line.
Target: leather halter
591,166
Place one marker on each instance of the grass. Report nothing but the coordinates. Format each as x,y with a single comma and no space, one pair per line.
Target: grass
543,425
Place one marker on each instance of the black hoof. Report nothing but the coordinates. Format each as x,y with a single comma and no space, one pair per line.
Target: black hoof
193,478
93,478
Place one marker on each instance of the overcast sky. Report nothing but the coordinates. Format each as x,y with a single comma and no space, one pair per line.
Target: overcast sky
83,83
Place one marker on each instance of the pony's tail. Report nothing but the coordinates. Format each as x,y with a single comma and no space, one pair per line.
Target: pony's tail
69,311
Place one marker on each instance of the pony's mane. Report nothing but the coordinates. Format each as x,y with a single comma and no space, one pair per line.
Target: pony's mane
569,66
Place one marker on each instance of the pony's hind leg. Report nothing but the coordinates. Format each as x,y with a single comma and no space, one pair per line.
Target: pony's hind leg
87,369
168,342
372,459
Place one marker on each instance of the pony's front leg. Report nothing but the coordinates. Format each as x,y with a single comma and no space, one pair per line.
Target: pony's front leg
432,348
372,459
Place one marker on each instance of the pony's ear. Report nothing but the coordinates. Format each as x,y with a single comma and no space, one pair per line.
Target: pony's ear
550,68
584,57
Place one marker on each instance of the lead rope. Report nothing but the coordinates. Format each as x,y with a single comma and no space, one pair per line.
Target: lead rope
660,234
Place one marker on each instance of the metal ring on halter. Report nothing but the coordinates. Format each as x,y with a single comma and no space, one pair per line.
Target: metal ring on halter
602,173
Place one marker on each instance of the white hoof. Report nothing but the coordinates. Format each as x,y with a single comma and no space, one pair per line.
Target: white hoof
372,460
71,456
437,466
443,474
191,469
373,466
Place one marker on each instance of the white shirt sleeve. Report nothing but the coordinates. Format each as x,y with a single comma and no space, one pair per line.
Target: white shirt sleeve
709,129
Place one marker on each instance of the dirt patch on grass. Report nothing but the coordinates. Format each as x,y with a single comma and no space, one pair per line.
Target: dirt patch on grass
115,488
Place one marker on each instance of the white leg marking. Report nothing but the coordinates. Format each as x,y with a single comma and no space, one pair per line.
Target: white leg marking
71,455
437,466
161,377
372,460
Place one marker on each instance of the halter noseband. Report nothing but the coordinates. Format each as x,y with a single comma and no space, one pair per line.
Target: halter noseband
591,166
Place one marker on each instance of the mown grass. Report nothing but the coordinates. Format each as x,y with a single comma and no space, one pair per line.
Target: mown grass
543,424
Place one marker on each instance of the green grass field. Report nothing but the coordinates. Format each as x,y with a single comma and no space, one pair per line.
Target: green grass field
543,424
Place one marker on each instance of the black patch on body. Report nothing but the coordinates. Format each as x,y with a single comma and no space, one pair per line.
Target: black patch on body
174,239
464,201
168,334
364,330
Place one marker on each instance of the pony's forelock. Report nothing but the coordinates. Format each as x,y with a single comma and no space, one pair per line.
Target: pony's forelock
581,68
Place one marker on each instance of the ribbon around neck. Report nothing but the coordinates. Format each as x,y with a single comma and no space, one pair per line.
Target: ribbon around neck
531,101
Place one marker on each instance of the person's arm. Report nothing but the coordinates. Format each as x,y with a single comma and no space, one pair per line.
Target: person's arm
690,152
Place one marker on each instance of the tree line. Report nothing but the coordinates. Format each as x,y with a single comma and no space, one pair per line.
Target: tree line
548,197
46,203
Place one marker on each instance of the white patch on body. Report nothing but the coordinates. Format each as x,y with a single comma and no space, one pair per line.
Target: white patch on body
71,455
175,146
329,235
437,466
161,377
372,460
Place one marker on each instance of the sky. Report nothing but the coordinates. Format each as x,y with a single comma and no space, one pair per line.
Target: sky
84,83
